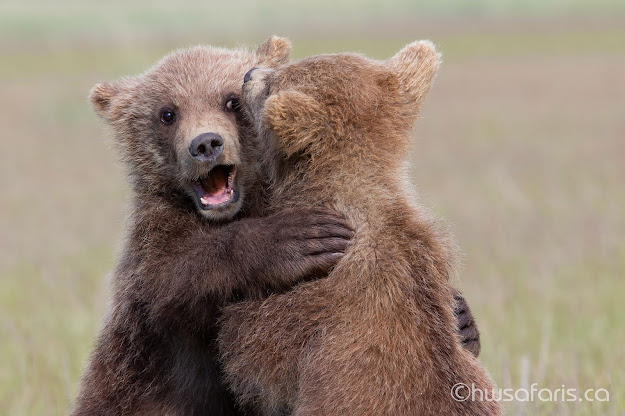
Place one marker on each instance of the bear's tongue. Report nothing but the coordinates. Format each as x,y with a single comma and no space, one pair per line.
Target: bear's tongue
215,186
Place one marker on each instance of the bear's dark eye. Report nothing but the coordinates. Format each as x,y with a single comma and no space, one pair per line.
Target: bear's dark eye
233,104
167,116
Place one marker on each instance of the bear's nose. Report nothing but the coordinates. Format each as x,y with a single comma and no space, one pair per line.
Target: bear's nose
248,75
207,147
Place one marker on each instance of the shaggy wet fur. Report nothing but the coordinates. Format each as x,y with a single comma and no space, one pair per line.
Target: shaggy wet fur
378,335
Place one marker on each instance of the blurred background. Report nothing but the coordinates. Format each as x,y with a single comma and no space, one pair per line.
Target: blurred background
521,148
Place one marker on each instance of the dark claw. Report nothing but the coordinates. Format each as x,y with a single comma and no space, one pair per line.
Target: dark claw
467,328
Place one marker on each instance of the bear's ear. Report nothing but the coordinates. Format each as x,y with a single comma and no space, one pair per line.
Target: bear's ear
274,52
110,99
101,97
296,119
415,66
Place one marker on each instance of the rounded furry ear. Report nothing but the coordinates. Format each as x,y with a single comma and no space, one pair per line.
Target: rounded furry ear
274,52
416,66
101,96
296,119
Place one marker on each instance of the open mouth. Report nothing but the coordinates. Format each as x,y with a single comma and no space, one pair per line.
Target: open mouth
217,188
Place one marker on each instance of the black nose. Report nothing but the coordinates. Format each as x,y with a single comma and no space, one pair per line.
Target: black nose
207,147
248,75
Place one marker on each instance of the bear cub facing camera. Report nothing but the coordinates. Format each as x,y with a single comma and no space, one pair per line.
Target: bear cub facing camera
193,242
378,335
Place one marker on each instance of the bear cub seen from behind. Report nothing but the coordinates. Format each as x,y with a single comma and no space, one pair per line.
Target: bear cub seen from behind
378,335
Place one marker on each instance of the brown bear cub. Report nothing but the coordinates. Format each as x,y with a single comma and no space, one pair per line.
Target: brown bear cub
194,242
378,335
192,164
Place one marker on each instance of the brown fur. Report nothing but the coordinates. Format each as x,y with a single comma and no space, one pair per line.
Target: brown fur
156,352
377,336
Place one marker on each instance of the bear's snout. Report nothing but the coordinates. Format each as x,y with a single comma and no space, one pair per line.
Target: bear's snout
207,147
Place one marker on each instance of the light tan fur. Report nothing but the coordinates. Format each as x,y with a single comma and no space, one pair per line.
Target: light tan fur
378,335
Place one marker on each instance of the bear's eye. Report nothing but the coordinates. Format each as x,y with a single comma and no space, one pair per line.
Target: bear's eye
233,104
167,116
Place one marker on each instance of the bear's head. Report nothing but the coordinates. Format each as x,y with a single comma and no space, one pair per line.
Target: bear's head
327,106
178,129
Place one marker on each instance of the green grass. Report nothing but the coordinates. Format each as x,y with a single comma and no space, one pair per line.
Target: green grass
520,148
52,308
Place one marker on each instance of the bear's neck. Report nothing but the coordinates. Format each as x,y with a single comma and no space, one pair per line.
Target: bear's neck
367,189
376,199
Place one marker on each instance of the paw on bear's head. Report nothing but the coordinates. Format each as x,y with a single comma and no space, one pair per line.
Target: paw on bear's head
327,101
178,129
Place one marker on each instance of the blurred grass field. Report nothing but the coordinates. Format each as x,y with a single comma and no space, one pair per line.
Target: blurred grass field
521,147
